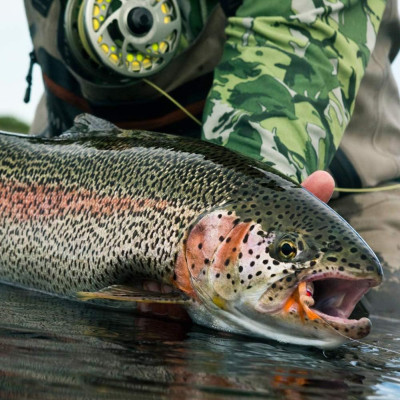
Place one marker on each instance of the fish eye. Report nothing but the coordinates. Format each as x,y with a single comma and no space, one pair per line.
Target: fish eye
287,249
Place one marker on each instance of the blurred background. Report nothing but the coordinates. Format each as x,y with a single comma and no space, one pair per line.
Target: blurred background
15,45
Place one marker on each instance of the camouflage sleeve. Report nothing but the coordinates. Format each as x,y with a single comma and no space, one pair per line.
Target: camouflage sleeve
285,88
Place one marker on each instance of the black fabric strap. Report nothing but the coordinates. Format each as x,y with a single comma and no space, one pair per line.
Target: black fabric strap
230,6
343,171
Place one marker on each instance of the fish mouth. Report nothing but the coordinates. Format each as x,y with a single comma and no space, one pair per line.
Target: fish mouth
337,298
332,300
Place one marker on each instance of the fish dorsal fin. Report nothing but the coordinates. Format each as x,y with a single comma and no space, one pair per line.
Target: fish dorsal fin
134,294
87,125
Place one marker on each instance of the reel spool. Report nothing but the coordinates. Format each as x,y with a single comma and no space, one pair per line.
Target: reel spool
131,38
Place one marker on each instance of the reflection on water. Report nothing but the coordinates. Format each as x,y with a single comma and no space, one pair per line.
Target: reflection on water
55,349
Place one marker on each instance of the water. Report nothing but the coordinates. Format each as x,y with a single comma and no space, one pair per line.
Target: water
55,349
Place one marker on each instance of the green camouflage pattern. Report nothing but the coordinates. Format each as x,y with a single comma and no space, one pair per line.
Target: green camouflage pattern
194,15
286,85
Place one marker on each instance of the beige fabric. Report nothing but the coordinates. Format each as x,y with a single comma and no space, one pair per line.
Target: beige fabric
45,27
40,121
376,217
372,139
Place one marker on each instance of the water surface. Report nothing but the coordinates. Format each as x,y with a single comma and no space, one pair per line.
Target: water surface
55,349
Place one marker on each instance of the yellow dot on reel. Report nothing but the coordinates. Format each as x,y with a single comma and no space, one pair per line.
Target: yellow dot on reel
99,1
147,63
105,48
114,58
103,7
113,49
167,20
154,47
135,66
163,47
96,10
100,39
101,18
165,8
96,24
139,57
129,57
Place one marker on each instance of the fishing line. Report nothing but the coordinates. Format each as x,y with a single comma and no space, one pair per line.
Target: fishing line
367,190
175,102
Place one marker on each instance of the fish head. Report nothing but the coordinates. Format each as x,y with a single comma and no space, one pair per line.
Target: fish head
293,273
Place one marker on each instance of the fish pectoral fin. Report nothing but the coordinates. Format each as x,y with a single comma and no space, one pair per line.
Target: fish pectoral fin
134,294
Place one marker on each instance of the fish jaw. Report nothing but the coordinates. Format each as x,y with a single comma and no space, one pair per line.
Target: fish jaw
301,323
323,303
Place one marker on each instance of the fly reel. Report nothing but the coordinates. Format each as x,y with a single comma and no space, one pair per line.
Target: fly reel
132,38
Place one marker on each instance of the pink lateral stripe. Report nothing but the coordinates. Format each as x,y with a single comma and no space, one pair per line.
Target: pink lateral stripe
22,201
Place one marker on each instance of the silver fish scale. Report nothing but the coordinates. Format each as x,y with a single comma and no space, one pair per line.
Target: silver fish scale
80,215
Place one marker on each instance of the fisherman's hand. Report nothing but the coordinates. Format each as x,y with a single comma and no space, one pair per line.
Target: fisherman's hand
320,184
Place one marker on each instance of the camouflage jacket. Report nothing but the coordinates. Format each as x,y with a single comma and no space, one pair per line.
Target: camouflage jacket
286,75
285,88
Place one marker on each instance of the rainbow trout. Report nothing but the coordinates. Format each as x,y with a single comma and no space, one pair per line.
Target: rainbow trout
91,214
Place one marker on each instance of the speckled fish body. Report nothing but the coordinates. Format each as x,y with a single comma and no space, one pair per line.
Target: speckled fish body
100,207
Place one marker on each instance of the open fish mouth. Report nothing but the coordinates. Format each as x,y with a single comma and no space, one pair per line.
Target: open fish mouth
330,301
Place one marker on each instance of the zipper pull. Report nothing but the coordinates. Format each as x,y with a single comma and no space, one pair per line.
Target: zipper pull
29,76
